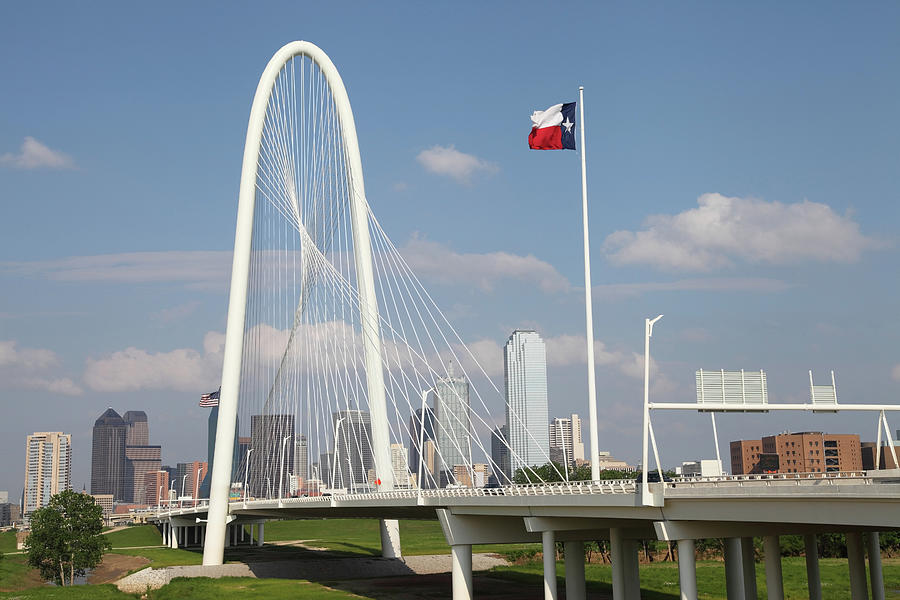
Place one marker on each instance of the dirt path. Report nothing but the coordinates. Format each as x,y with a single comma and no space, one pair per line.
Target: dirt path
116,566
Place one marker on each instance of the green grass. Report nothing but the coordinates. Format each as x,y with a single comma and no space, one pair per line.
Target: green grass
78,592
660,581
165,557
8,541
15,573
139,535
362,537
246,587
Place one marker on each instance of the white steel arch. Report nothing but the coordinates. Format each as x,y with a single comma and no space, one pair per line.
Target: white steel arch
213,552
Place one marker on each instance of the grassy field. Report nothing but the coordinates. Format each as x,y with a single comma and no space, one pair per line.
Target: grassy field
243,588
139,535
8,541
78,592
361,536
660,581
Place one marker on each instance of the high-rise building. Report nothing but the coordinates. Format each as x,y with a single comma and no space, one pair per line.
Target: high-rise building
140,460
416,424
803,452
108,456
156,488
301,459
353,442
48,468
188,477
137,430
452,424
272,456
500,456
525,373
402,477
237,470
565,440
9,514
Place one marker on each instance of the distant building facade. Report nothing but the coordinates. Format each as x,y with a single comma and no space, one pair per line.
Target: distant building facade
353,442
452,424
48,468
140,460
566,445
267,461
188,477
108,466
802,452
525,375
417,422
500,474
156,488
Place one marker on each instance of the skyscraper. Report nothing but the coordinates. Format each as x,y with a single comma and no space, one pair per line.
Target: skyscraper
452,424
140,460
416,423
137,430
272,456
108,456
500,456
353,442
565,440
525,373
301,459
48,468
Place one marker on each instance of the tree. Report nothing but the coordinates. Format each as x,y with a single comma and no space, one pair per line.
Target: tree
551,471
66,537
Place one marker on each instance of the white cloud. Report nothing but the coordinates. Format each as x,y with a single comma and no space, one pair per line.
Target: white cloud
35,155
197,269
447,160
567,350
895,372
707,284
27,368
182,369
438,263
25,358
724,230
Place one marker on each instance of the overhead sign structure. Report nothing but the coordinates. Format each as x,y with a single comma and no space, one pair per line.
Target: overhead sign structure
733,389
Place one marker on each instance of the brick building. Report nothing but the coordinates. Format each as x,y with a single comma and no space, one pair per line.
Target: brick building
802,452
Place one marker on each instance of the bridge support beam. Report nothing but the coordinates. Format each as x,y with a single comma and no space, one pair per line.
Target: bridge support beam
617,558
734,569
813,578
548,547
575,585
632,570
173,537
461,571
876,575
748,562
390,538
687,570
774,581
261,539
856,560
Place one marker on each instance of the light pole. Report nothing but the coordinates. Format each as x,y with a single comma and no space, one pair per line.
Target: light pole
246,471
337,426
281,470
648,333
181,502
422,439
196,491
171,492
268,488
159,499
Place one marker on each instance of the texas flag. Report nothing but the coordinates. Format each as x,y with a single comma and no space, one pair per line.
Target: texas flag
554,128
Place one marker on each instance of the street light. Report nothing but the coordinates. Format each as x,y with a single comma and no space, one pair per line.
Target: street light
171,494
648,333
181,501
196,491
281,470
159,499
334,456
422,438
246,472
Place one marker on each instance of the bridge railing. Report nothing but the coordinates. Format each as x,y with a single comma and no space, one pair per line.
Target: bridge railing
769,479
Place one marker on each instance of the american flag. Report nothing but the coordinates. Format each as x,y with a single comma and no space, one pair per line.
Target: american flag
210,400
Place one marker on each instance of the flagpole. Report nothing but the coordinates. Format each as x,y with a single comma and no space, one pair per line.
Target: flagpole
588,309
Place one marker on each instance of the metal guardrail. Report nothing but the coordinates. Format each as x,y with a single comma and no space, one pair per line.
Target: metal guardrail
769,479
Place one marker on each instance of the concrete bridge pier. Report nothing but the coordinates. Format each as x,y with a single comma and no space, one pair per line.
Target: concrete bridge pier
390,538
574,556
548,548
774,580
813,578
461,571
740,568
262,535
173,536
856,560
687,569
876,575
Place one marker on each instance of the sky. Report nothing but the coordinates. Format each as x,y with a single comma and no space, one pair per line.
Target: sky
743,169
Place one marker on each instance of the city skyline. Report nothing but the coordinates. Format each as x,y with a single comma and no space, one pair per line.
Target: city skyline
775,130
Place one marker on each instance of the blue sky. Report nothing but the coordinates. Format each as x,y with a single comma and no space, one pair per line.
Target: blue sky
742,167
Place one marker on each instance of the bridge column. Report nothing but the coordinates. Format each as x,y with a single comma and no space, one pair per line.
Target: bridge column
262,535
461,573
617,558
173,537
252,532
856,560
687,570
876,575
164,531
774,581
813,578
390,538
632,570
574,555
734,569
548,546
748,562
228,532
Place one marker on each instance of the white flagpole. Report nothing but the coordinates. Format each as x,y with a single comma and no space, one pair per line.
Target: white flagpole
588,309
